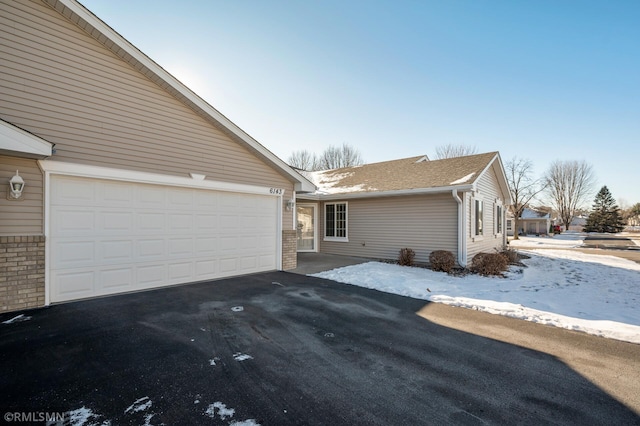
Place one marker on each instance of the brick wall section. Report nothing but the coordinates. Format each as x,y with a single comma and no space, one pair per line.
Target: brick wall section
289,249
21,272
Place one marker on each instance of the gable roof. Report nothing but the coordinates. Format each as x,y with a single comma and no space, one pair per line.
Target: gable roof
113,41
528,213
408,175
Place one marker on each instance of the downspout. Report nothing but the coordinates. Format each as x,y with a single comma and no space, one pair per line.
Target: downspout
462,236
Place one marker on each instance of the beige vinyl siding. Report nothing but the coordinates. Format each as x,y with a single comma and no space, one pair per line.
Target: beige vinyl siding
488,191
380,227
62,85
24,216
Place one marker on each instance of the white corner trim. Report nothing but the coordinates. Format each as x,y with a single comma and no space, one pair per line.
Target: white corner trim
51,167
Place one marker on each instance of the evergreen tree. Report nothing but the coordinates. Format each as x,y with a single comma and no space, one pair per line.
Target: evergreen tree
605,216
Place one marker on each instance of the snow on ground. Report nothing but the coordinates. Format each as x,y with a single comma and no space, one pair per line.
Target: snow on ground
595,294
564,240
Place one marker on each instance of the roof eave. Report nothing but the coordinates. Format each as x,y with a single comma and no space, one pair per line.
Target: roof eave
16,142
379,194
108,37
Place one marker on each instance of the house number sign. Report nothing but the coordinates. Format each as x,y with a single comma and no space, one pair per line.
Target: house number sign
276,191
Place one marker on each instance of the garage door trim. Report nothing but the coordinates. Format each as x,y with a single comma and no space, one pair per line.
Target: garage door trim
86,171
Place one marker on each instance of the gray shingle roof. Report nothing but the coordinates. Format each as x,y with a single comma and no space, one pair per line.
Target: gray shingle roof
403,174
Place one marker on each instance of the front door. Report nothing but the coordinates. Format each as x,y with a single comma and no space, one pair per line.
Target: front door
306,227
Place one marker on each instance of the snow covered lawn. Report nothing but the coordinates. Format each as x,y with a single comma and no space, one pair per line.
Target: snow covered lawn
595,294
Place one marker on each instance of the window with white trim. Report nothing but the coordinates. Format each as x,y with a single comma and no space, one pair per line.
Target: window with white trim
478,218
499,218
335,221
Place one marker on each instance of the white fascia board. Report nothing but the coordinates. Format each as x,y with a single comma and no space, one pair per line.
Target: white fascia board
502,178
301,183
51,167
378,194
17,142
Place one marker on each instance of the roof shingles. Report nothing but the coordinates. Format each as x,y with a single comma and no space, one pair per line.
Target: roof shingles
403,174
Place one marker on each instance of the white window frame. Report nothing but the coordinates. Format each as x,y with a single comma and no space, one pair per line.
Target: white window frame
474,219
498,219
344,238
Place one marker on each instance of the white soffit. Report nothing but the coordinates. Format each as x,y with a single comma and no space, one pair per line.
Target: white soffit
19,143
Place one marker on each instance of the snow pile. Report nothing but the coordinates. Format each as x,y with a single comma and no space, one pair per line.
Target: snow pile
595,294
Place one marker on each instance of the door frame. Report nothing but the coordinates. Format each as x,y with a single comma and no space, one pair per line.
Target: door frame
315,227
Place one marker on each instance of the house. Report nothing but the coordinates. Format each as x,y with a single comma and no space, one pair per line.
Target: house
531,222
375,210
122,178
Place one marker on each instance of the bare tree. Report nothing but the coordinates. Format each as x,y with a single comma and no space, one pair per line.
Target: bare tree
451,151
522,186
338,157
569,185
303,160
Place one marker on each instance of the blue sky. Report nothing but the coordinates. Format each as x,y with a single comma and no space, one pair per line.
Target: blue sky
541,80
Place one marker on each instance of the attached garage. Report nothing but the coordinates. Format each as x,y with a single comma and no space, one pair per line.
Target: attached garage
131,180
108,236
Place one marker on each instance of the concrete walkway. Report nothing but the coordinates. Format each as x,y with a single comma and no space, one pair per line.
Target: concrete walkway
312,263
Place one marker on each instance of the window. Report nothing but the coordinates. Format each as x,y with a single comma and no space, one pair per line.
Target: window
498,219
478,218
335,221
508,224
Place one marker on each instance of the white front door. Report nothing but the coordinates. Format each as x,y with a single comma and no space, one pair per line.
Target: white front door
306,223
111,237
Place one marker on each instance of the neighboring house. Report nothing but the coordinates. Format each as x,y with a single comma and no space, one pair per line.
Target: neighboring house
531,222
375,210
577,224
131,181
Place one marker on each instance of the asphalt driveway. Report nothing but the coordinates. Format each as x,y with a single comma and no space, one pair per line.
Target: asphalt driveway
282,348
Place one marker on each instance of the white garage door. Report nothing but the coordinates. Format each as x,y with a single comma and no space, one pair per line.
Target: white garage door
110,237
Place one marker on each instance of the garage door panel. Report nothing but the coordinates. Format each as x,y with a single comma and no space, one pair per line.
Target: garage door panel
117,279
117,194
228,265
180,222
150,222
150,249
74,284
110,237
150,197
115,251
205,268
206,246
78,192
180,271
152,275
74,222
116,221
73,253
180,247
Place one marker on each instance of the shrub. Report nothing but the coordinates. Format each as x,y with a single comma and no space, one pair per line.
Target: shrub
510,254
442,260
489,263
406,257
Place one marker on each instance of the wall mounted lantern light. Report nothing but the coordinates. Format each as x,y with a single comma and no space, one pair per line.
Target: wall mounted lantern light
16,185
291,204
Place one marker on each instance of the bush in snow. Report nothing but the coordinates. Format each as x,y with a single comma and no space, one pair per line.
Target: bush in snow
489,264
442,260
406,257
510,254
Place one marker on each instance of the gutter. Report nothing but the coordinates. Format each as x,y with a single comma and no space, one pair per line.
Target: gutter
377,194
462,236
